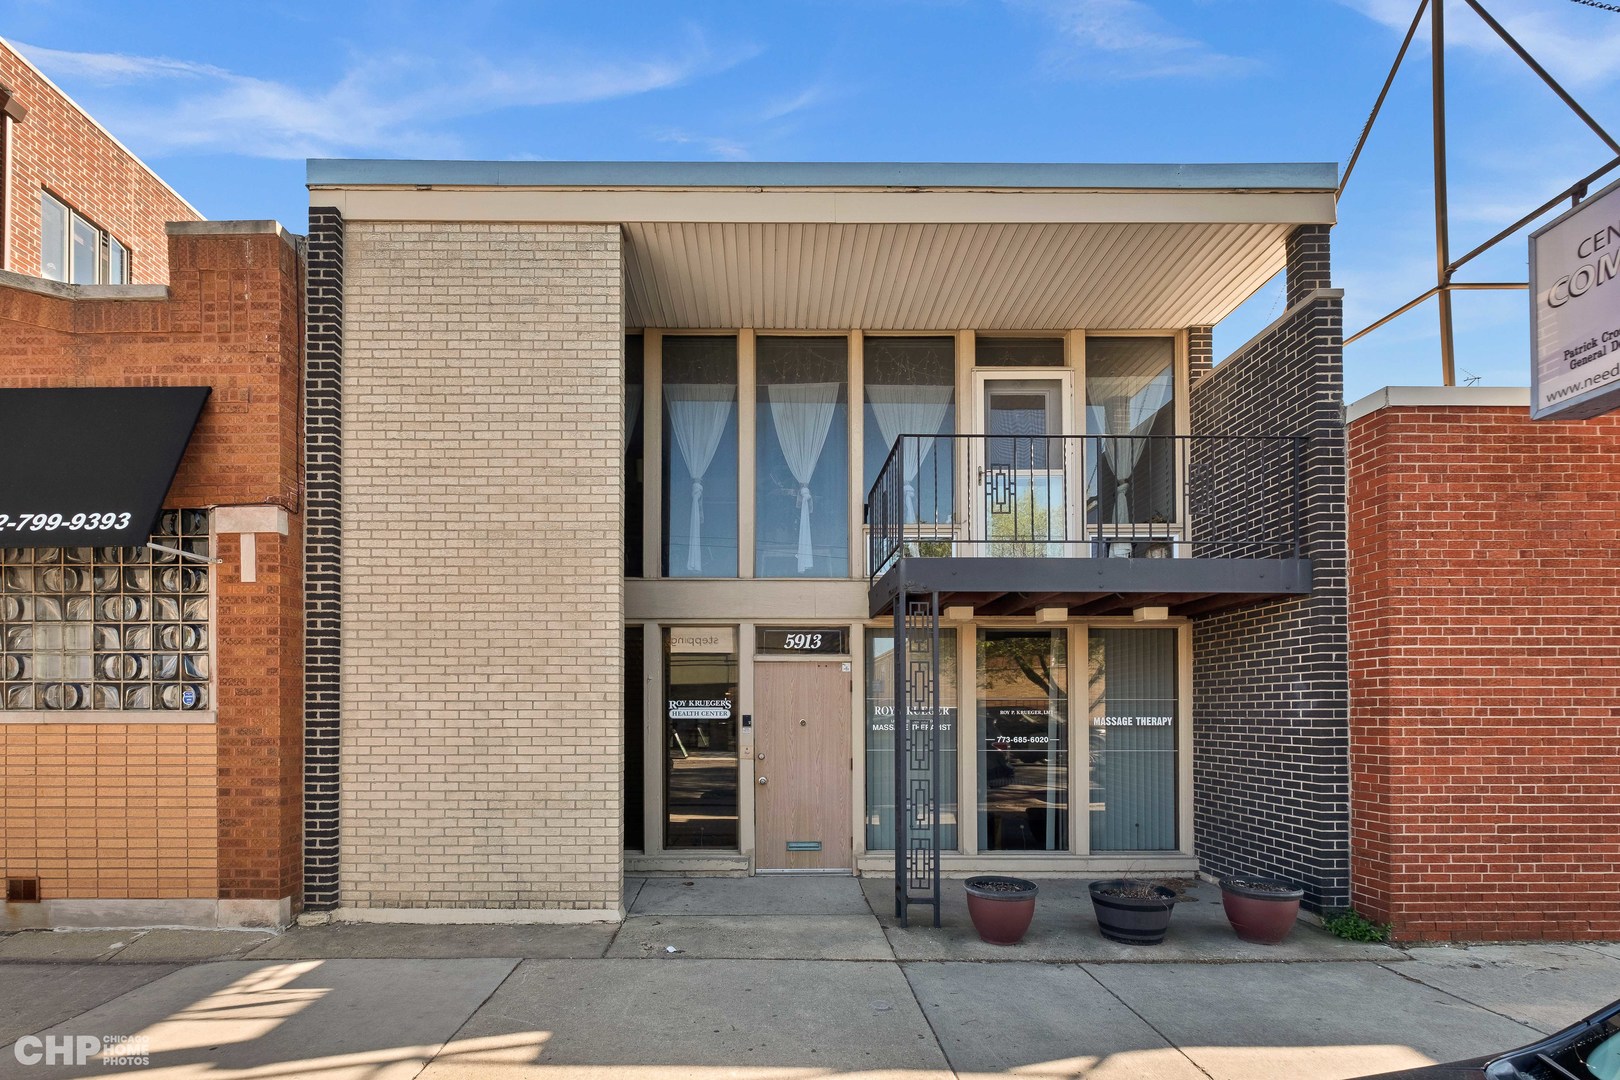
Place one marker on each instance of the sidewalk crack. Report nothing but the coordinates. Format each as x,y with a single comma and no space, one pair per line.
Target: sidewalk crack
1465,1001
1151,1025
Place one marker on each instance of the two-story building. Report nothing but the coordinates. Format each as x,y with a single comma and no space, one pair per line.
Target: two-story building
623,478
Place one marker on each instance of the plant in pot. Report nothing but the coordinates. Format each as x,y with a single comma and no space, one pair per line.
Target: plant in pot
1132,912
1001,907
1260,909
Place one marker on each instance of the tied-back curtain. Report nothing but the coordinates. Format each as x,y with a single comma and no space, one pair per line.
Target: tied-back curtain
910,410
698,413
802,414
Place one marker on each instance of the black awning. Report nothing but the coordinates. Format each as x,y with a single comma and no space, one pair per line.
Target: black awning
89,467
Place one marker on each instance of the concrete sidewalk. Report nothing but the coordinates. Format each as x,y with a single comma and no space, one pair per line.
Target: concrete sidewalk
775,977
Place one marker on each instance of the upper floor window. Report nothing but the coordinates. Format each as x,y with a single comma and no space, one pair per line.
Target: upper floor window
74,250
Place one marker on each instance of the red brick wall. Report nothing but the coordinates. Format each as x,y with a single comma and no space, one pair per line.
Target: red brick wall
1485,673
233,321
58,147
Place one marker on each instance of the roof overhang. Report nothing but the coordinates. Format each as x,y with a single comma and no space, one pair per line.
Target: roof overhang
883,246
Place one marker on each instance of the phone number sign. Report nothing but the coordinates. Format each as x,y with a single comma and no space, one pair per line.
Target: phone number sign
90,466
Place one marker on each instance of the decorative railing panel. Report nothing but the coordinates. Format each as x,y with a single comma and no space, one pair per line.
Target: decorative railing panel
1086,496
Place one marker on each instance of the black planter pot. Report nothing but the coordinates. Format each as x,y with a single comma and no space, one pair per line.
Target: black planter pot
1132,919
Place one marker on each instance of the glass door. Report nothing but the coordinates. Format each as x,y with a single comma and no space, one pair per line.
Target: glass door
1019,468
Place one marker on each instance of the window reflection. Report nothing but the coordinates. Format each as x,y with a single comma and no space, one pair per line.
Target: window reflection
700,748
880,692
1023,740
1130,392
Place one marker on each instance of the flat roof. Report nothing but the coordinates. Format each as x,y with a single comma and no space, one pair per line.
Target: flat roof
367,172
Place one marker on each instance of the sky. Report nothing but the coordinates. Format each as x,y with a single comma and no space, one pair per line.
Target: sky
225,101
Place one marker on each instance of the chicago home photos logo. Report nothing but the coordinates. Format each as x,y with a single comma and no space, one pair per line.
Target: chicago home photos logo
110,1050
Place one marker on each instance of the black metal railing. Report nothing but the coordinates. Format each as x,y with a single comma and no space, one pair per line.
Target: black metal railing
1087,496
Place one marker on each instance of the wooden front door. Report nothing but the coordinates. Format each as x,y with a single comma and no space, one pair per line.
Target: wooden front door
802,765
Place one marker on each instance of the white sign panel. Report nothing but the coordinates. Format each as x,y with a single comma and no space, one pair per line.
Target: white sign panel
703,639
1575,311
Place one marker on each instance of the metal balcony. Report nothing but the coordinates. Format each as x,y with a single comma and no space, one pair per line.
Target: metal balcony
1097,524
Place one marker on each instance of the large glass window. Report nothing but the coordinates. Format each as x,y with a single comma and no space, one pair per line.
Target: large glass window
107,628
1134,736
700,737
1023,740
700,456
634,452
911,390
801,475
880,739
1130,394
53,238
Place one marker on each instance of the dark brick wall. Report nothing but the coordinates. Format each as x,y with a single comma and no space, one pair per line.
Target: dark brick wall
1200,351
1270,721
323,554
1310,263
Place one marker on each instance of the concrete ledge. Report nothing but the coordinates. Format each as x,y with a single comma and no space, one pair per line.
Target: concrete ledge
1310,298
110,716
184,914
478,916
64,291
1476,397
232,228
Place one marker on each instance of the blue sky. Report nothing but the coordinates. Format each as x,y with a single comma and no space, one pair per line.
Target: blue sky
226,100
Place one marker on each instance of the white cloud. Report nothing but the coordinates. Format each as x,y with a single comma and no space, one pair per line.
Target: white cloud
717,146
1576,45
387,104
1128,39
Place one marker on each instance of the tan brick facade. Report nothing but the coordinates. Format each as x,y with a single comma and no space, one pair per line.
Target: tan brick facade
60,149
482,624
112,811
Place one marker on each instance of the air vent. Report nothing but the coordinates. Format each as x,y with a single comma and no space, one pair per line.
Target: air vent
22,890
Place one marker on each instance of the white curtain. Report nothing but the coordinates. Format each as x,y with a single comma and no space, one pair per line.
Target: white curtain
697,415
910,410
802,414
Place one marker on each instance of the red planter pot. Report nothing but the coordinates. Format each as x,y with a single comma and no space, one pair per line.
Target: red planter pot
1261,910
1001,907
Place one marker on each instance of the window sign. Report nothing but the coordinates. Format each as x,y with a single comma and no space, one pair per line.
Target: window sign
703,639
700,740
803,640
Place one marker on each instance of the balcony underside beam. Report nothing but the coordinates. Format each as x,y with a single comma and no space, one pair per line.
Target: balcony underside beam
1021,586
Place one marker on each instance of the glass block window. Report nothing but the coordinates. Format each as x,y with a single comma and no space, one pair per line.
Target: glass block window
107,628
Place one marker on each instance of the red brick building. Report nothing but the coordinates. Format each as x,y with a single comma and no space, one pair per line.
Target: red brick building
123,803
75,204
151,696
1484,667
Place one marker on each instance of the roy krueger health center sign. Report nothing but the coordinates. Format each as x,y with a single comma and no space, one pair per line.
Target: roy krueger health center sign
1575,311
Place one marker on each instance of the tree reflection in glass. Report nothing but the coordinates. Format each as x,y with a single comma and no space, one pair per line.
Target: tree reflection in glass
1023,740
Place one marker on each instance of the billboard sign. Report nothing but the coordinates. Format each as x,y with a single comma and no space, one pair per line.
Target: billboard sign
1575,311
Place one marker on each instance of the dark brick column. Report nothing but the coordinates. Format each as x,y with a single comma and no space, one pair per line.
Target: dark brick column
1270,710
1200,351
1309,261
323,554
